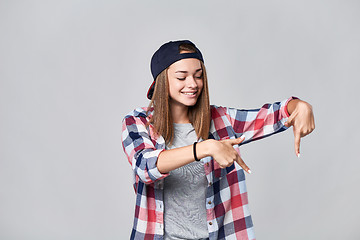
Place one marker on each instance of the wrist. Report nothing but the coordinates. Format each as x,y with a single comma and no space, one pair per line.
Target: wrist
203,149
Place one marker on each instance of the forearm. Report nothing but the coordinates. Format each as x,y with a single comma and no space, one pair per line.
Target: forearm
169,160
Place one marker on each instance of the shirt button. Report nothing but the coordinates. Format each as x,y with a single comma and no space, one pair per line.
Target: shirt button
207,164
209,202
210,183
210,223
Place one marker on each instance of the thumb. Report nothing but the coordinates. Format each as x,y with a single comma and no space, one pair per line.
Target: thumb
289,122
236,140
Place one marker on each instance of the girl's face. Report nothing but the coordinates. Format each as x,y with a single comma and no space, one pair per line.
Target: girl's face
185,82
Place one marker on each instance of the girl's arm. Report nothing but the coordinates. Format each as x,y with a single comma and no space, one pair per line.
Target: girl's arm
271,119
222,152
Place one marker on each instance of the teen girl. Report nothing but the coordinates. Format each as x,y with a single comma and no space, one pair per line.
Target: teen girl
188,175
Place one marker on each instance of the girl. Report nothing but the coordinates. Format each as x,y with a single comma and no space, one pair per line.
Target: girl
188,175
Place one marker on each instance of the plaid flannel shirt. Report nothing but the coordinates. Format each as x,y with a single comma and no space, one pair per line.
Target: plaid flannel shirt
228,215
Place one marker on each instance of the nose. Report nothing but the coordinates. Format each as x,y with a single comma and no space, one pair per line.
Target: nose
191,82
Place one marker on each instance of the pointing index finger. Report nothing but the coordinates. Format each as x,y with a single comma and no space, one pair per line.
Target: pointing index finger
297,143
242,164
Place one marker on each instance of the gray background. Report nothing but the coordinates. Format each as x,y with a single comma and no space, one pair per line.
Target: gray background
71,70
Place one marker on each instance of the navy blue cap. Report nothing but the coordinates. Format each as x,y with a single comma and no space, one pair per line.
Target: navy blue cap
166,55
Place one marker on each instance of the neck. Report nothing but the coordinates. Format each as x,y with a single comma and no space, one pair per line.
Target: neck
179,113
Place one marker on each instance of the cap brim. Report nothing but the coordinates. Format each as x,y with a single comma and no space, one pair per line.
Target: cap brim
151,91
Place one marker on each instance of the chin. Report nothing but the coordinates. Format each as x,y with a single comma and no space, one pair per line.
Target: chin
190,103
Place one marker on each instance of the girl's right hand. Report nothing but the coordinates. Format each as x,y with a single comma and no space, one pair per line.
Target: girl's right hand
224,154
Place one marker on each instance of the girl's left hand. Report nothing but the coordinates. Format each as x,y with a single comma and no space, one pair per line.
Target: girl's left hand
302,120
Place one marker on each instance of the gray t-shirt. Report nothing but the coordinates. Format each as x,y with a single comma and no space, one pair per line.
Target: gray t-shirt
185,193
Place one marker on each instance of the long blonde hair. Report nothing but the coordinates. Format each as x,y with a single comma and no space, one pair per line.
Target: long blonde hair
199,114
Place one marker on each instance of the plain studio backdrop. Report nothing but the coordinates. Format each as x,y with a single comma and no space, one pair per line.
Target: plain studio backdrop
71,70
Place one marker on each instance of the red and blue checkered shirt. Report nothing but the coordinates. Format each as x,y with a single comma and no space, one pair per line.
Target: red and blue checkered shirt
228,215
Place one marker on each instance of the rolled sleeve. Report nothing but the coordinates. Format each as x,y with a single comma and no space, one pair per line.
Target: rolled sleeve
140,150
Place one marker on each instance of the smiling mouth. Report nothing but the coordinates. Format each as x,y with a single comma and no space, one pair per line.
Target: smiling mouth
189,93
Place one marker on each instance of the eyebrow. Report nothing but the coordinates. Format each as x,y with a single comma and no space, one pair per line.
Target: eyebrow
187,72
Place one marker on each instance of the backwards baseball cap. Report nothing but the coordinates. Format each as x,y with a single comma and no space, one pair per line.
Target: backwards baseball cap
166,55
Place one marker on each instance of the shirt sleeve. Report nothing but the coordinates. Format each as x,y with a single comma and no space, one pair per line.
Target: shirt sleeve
140,150
258,123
